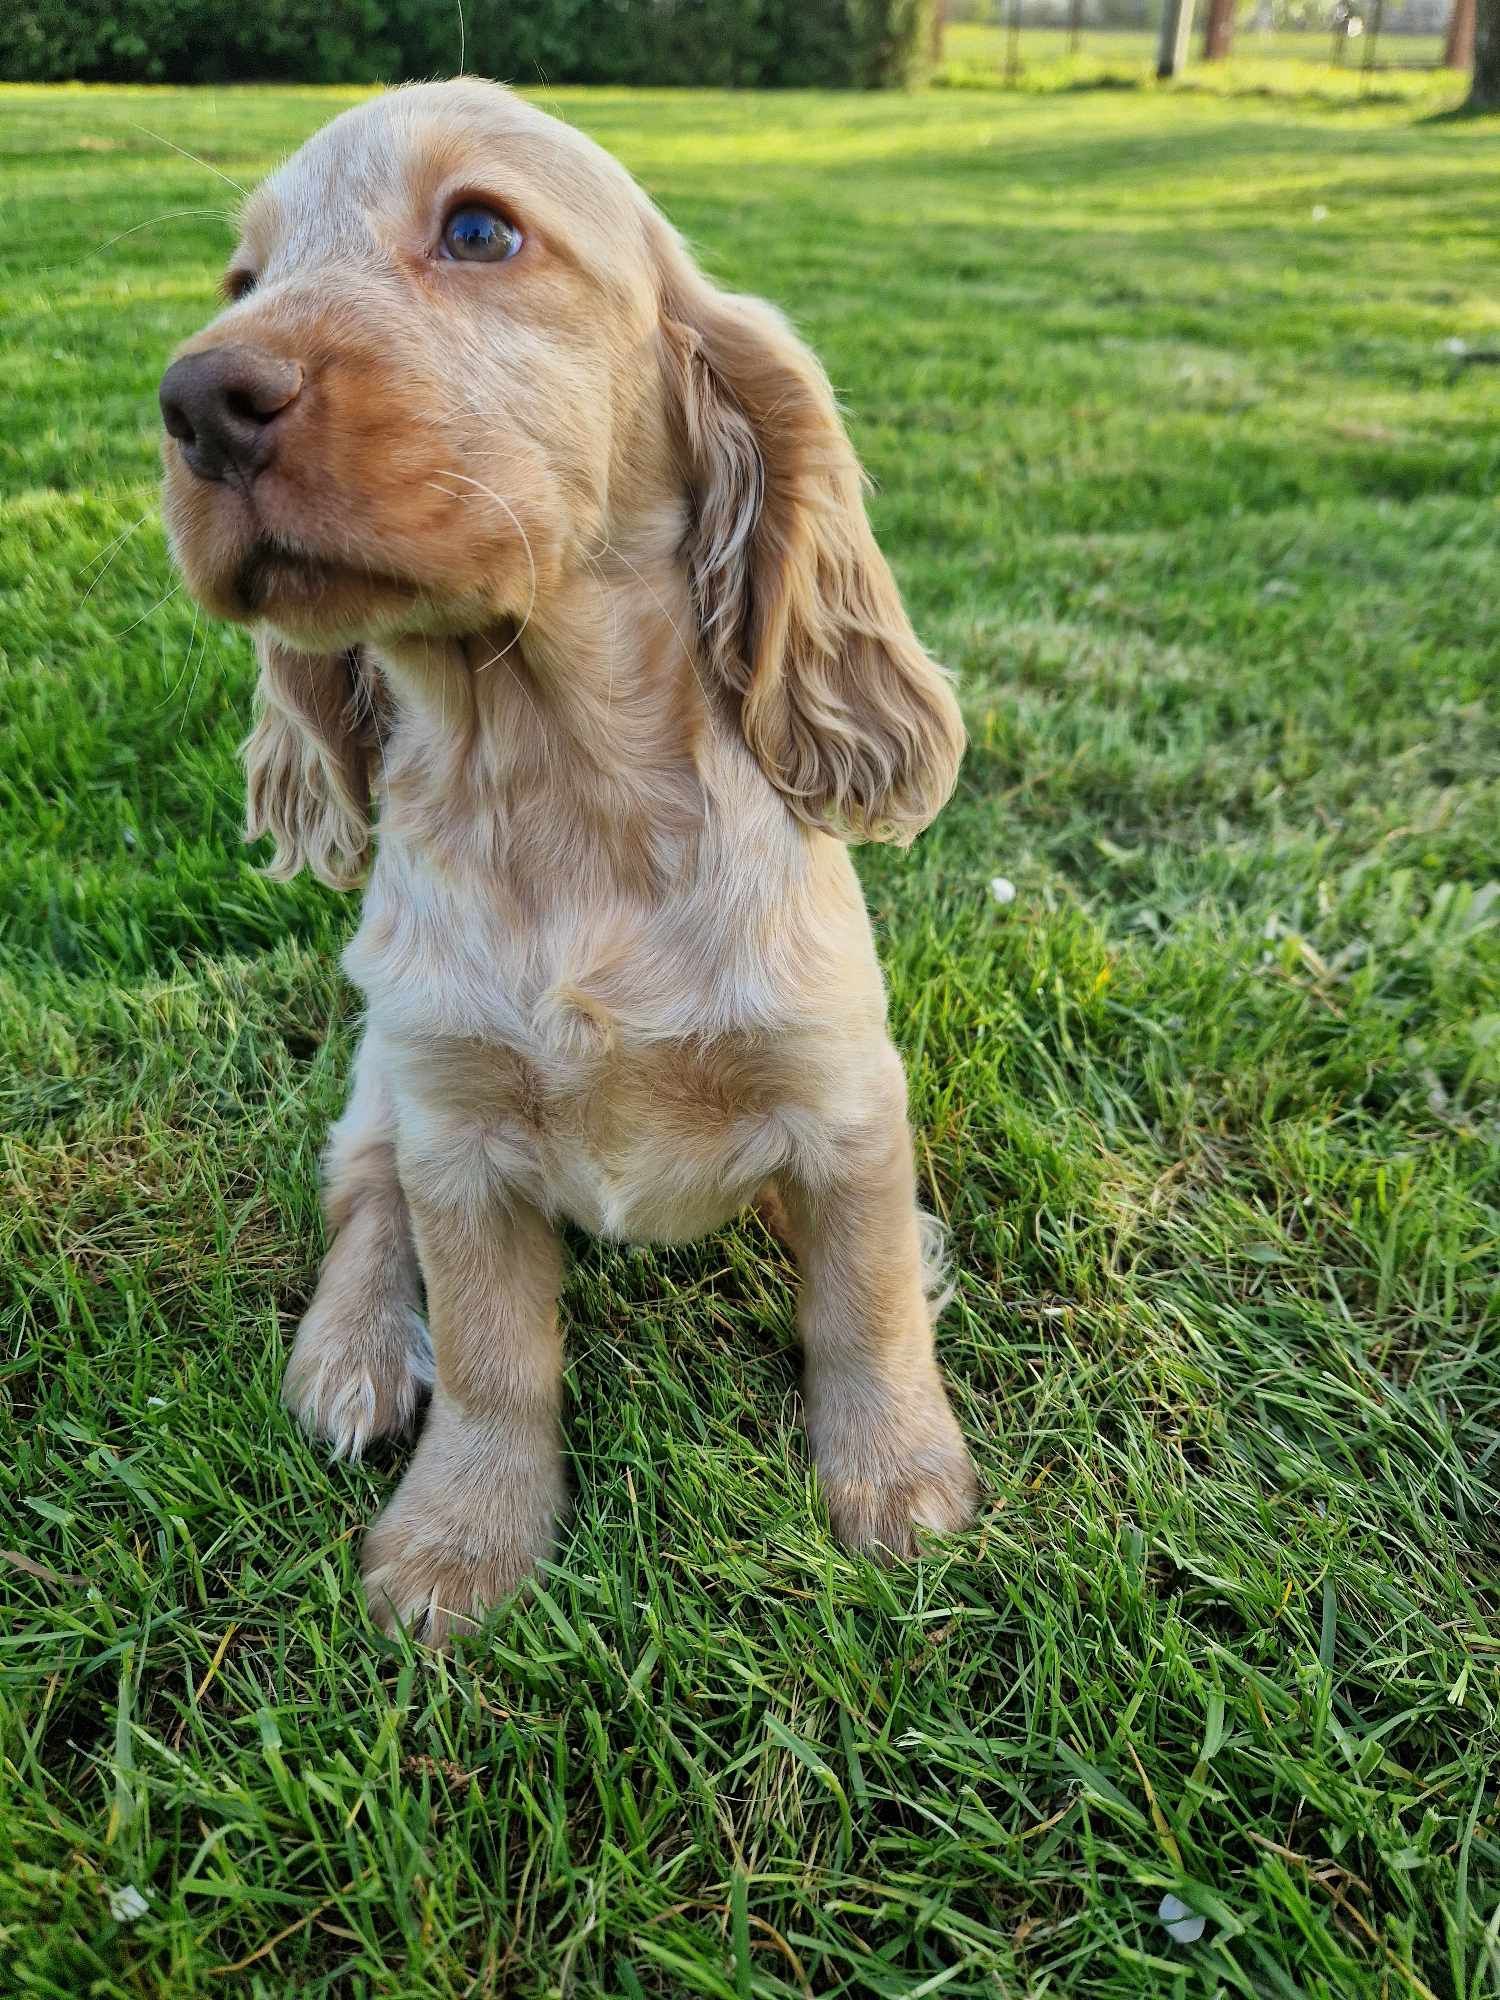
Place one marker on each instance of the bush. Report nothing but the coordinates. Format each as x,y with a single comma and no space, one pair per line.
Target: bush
833,44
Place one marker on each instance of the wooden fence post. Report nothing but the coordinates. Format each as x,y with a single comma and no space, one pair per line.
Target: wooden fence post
1176,29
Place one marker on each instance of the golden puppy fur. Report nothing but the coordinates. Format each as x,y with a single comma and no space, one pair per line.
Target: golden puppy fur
562,563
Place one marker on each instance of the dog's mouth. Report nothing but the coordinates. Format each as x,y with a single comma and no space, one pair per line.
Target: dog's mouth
275,575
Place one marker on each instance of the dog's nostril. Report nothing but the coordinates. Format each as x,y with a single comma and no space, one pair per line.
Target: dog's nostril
220,403
176,420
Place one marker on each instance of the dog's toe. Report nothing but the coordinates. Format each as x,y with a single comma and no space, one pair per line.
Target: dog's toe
474,1515
882,1517
890,1477
438,1586
357,1376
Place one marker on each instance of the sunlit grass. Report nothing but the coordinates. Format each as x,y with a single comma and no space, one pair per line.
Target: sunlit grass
1180,470
1391,69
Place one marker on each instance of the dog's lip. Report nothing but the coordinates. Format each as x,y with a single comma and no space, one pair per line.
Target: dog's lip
273,568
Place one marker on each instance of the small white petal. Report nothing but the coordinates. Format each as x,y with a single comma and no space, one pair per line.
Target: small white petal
126,1904
1320,213
1001,890
1184,1926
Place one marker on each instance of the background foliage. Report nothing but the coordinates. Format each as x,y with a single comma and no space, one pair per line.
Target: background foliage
740,43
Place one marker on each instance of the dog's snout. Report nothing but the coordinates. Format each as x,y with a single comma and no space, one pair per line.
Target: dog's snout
221,405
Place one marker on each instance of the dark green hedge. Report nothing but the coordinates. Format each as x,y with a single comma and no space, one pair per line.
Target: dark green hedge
866,44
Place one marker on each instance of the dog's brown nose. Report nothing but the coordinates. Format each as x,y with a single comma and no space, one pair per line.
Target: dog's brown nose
221,405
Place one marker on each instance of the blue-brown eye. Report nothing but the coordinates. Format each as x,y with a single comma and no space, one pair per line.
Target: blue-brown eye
479,236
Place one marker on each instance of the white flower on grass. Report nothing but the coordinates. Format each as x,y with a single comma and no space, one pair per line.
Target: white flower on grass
126,1904
1320,213
1454,345
1184,1926
1001,890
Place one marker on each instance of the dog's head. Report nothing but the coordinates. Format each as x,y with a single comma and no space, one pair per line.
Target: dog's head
462,350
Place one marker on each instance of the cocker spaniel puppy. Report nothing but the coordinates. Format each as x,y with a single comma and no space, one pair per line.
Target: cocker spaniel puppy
557,555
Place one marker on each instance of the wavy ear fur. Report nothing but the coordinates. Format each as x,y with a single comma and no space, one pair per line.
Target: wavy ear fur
847,715
308,761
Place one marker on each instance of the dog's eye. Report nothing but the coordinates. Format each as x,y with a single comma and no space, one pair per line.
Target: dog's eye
479,236
238,284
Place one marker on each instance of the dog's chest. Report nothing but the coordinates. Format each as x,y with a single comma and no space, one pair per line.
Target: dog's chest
555,977
636,1073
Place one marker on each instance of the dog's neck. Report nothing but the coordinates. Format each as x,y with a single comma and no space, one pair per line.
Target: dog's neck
584,737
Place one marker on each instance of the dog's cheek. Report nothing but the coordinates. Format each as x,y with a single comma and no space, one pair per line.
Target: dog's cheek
205,542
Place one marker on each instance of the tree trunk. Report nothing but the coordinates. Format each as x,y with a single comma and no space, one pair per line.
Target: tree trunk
1218,29
1458,50
1485,93
939,21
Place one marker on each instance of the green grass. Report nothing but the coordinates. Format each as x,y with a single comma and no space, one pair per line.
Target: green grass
1404,68
1176,471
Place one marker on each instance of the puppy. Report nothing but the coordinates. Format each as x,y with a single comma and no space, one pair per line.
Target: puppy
557,554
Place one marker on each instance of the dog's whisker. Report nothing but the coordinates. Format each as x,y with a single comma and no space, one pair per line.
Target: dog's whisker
193,684
689,653
608,595
171,692
176,587
114,541
207,165
168,215
385,769
489,493
110,551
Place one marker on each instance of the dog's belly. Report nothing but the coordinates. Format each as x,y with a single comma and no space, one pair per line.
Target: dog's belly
654,1144
668,1142
643,1195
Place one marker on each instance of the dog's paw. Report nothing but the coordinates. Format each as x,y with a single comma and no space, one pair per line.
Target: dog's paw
468,1525
357,1371
881,1517
884,1482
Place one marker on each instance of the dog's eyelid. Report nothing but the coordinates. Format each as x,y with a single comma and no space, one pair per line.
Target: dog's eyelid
469,195
474,194
238,283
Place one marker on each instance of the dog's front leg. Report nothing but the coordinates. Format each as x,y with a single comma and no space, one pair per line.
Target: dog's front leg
888,1450
484,1490
361,1357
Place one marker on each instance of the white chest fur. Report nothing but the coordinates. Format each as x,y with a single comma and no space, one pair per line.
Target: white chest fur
629,987
640,1069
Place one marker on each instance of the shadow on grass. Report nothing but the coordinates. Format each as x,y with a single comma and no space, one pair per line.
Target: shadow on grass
1467,113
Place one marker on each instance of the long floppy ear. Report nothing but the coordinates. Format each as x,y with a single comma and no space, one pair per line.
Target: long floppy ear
847,715
308,761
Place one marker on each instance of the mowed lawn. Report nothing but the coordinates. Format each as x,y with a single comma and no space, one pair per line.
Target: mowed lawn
1179,472
1301,60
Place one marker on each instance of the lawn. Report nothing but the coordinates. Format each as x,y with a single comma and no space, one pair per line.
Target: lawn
1179,471
979,52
